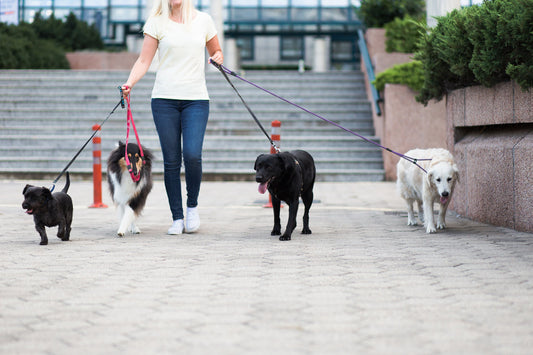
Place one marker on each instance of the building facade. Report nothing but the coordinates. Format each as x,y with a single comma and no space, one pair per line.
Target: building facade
317,34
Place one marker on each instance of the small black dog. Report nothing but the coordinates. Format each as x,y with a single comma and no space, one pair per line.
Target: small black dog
49,210
287,176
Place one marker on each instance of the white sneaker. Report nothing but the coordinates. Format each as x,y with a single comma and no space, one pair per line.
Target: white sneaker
176,228
192,222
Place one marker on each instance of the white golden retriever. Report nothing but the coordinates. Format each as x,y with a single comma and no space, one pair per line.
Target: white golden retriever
427,188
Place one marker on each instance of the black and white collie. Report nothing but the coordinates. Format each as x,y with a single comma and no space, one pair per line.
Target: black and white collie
129,189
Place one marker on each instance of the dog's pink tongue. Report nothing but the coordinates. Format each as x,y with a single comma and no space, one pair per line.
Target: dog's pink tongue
443,200
29,211
262,187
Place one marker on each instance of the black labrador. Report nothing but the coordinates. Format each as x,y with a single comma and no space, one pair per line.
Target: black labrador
287,176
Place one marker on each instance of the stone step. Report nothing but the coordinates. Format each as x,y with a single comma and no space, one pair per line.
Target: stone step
42,132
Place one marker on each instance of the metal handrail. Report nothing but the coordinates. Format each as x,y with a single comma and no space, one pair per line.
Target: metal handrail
369,70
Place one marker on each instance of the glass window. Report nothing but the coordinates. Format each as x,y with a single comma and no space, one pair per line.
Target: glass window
275,3
342,50
126,2
96,3
300,14
305,3
69,3
292,48
246,47
124,14
244,3
38,3
275,14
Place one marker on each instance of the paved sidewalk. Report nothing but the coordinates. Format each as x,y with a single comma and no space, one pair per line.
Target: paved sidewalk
363,282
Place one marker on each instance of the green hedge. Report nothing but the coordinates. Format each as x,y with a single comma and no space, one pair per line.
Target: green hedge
22,49
484,44
42,44
403,35
410,74
377,13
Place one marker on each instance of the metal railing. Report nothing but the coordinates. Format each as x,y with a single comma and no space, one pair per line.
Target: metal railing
369,70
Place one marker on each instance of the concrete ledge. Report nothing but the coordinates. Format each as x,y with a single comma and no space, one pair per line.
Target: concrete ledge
101,60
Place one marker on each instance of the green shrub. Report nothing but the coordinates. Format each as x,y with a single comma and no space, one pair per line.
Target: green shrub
376,13
445,54
79,35
22,49
42,44
72,34
484,44
403,35
410,74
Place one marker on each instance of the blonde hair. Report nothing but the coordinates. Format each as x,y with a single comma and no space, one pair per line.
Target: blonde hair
162,8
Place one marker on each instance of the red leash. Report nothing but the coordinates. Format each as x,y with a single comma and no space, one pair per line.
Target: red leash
134,177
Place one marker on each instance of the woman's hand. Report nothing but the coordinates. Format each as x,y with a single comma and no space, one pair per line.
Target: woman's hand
126,89
217,57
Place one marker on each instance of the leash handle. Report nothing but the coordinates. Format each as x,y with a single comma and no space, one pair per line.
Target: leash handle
121,97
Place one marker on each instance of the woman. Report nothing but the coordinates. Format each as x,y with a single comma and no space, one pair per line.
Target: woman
180,102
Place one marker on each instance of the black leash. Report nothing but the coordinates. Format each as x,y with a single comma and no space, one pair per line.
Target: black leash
121,103
225,70
219,67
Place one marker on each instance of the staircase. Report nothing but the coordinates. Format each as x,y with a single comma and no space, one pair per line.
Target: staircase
47,115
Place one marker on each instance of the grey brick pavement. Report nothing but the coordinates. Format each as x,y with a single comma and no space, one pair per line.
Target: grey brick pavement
363,282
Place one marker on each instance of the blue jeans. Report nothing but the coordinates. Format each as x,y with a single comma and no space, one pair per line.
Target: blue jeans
174,119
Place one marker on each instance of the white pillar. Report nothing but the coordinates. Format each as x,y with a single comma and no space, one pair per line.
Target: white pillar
321,55
218,17
231,54
435,8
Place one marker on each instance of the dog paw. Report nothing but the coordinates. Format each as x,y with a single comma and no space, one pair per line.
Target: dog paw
44,242
275,232
412,223
135,230
306,231
431,229
441,225
284,238
121,233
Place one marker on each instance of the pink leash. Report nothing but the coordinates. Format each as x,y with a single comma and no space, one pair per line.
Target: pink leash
134,177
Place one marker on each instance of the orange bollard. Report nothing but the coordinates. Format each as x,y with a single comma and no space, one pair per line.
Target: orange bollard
276,137
97,170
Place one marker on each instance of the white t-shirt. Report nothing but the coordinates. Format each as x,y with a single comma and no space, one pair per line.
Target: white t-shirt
181,72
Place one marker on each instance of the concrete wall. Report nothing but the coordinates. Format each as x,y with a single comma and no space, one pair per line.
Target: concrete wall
408,124
492,133
101,60
381,60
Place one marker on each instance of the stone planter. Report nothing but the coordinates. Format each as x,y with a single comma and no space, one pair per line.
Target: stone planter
492,133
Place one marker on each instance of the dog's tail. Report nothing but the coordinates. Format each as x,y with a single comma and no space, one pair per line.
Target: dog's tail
67,184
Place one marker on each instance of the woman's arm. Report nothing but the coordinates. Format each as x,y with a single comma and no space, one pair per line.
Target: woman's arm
142,64
214,50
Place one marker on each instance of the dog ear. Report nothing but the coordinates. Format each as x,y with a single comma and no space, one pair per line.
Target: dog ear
455,172
257,159
429,177
286,160
26,188
47,193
